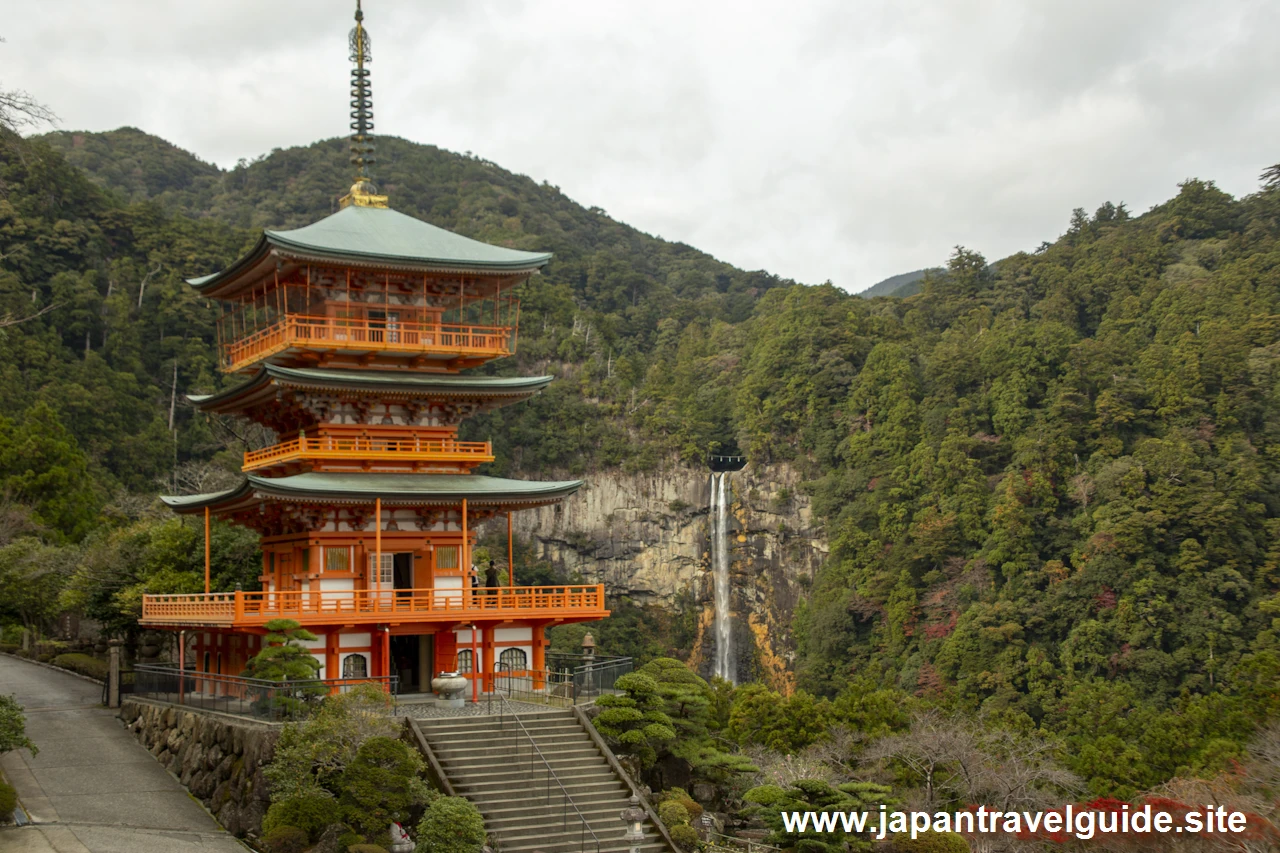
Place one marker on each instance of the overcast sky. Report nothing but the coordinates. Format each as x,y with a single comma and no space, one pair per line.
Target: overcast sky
847,140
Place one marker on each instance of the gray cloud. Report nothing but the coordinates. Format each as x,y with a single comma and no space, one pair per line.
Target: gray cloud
825,140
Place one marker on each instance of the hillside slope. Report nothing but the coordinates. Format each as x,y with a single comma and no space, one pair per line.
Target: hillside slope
902,284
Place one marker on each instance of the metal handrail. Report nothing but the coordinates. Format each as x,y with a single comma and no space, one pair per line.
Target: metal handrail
751,844
551,773
244,696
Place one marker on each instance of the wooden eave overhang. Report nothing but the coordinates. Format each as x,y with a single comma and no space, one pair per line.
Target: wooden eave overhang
335,489
265,385
371,238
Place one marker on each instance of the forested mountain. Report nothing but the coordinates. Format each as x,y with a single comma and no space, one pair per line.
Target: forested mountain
1051,486
902,284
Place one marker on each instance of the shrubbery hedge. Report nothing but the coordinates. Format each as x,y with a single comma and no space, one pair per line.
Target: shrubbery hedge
83,664
286,839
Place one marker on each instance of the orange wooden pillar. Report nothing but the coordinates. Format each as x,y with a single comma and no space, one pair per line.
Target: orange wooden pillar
475,667
486,638
377,547
511,560
331,658
466,551
386,656
206,551
539,655
182,667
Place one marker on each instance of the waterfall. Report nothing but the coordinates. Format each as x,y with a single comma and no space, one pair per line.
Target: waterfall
725,664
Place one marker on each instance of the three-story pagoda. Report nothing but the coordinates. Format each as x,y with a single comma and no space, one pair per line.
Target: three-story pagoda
349,336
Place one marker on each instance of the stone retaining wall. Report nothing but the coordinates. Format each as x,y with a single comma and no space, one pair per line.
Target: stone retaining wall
218,758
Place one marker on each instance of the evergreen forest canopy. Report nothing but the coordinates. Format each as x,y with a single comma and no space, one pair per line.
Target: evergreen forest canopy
1051,485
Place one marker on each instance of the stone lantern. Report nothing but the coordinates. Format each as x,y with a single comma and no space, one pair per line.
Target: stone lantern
588,647
633,817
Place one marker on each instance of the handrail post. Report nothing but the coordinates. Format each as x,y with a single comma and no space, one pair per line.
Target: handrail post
239,605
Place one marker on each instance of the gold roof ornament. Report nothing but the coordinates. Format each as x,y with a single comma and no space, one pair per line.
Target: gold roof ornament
363,192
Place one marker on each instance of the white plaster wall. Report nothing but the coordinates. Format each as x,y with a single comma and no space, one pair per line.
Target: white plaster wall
347,641
336,584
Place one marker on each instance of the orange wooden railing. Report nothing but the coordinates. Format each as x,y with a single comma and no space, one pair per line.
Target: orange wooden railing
368,335
365,447
255,608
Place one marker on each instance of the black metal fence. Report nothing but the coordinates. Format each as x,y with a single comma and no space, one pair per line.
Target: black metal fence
568,679
246,697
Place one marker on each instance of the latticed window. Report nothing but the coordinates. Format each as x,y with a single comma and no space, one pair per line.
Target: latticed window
513,660
355,666
447,557
388,565
464,661
337,559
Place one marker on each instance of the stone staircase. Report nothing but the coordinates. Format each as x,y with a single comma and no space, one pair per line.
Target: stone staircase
490,761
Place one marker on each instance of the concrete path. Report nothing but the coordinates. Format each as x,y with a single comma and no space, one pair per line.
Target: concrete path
93,788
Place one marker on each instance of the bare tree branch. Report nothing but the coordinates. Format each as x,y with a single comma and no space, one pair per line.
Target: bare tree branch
10,320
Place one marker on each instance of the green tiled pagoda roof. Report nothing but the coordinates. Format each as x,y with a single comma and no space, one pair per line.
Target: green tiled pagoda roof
381,236
375,381
393,489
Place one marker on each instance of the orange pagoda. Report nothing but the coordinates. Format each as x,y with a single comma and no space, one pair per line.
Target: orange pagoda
349,336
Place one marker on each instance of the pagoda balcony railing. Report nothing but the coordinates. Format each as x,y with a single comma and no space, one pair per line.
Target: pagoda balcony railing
374,605
364,448
364,336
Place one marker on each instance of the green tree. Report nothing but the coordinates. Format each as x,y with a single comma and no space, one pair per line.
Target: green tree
769,802
13,727
451,825
381,785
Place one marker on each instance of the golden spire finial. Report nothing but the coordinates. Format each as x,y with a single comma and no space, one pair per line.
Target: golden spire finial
363,192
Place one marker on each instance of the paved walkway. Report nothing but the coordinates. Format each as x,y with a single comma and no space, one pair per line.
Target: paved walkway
93,788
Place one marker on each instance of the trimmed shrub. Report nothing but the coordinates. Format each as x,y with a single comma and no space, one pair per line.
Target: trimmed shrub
451,825
22,653
347,840
9,648
83,664
685,836
285,839
930,842
44,657
381,785
366,848
673,813
8,800
311,813
681,796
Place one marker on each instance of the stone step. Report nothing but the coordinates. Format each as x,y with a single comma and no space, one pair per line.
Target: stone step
531,720
513,747
595,813
552,833
578,757
492,763
510,728
581,757
505,806
471,789
536,779
581,749
575,845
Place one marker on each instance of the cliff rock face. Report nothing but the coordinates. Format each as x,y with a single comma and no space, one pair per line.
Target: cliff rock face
648,537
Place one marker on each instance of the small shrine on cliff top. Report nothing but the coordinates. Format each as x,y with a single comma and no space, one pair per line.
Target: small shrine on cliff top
349,337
